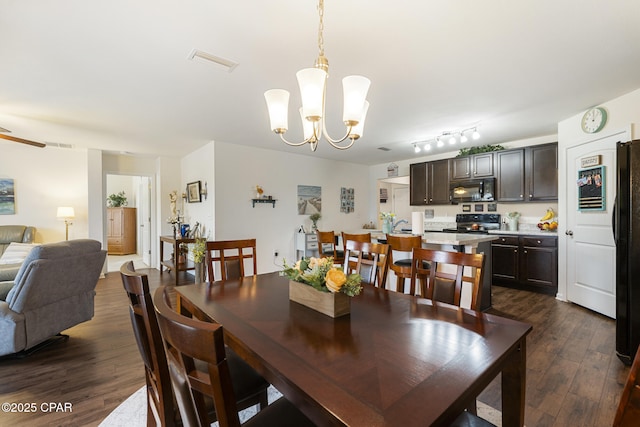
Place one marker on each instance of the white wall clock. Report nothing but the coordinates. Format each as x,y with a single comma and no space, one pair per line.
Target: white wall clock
594,120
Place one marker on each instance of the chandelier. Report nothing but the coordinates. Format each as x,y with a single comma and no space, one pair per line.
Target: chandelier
312,83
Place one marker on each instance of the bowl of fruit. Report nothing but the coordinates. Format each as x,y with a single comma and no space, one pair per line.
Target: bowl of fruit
549,221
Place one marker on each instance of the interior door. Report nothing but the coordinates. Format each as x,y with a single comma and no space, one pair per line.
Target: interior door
591,252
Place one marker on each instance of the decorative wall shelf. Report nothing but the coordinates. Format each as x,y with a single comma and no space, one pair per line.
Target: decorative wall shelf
272,201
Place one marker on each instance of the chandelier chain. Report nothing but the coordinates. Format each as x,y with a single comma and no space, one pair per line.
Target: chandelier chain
321,27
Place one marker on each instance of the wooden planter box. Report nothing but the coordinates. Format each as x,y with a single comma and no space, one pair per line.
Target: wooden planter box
329,303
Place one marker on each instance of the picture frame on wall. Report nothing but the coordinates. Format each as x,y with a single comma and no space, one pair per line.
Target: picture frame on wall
591,189
7,197
193,192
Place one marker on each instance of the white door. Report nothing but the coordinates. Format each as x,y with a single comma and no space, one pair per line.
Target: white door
591,252
145,219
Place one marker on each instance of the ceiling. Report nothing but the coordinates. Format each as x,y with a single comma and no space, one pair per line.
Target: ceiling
115,75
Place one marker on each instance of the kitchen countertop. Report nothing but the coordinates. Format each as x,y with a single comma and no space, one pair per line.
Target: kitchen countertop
457,238
536,232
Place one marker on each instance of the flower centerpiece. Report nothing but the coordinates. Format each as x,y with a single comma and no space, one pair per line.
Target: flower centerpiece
317,284
387,221
314,219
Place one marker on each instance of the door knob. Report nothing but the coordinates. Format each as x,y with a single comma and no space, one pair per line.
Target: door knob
569,233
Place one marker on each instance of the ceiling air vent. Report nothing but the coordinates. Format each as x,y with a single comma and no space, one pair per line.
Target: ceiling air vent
384,149
59,145
222,63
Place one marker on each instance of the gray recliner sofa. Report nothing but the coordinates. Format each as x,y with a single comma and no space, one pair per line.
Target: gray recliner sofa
53,291
17,234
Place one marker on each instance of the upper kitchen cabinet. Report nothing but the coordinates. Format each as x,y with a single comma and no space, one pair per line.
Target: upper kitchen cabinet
510,182
429,183
528,174
542,172
470,167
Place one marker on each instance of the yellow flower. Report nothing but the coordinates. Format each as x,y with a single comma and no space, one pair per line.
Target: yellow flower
335,279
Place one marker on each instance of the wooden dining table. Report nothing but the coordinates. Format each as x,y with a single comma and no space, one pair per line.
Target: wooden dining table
395,360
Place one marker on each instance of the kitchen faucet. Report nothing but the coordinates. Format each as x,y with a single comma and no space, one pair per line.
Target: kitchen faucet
398,223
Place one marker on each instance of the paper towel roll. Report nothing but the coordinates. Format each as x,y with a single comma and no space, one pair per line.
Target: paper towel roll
417,223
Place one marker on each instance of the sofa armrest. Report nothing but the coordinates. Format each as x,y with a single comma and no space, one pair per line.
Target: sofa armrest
8,272
5,287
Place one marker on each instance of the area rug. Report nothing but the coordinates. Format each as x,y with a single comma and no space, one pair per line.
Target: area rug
133,411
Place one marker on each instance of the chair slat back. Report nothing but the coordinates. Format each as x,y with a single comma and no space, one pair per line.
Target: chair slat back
440,285
370,260
194,340
402,269
147,333
231,256
327,245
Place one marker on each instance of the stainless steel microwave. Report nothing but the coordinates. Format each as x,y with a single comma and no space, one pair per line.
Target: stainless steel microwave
475,190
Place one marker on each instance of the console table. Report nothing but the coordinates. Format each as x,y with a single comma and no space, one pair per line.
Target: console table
172,263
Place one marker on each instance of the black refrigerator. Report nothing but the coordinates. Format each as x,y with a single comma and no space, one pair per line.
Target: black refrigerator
626,232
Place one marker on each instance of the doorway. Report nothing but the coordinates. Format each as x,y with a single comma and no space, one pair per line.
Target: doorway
137,190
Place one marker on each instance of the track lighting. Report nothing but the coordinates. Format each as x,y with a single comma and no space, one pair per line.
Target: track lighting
450,137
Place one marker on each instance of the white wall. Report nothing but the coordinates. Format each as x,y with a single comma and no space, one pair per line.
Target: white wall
44,179
238,169
198,166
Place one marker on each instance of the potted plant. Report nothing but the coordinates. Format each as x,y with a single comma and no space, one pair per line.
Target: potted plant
198,251
317,284
117,200
314,219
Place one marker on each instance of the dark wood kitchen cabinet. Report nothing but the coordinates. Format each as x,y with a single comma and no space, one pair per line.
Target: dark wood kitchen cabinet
526,262
471,167
528,174
429,183
542,172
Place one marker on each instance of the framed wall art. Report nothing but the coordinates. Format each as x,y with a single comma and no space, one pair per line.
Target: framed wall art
309,199
591,189
7,197
193,192
347,204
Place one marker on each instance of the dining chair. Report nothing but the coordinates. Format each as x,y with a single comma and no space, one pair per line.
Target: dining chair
628,412
402,267
166,383
438,284
198,341
349,237
231,256
160,398
371,261
327,246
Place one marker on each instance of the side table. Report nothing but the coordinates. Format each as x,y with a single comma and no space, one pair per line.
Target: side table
172,263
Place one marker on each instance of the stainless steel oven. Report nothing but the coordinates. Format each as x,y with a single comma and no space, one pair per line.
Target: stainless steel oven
475,190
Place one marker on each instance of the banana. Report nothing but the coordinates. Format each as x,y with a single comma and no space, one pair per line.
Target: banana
550,214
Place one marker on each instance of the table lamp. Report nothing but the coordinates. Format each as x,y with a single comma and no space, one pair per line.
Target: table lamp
67,214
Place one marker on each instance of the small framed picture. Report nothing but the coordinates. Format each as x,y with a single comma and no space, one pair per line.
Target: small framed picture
466,208
479,208
193,192
492,207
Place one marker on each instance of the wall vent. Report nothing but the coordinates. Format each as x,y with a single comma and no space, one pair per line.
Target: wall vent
384,149
59,145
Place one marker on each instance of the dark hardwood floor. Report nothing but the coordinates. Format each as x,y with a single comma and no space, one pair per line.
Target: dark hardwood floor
573,375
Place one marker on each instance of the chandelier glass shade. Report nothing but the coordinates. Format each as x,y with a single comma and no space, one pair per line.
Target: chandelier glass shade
312,85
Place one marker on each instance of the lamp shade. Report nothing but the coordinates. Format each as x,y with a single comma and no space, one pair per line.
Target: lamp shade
355,90
358,130
65,212
311,82
278,106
